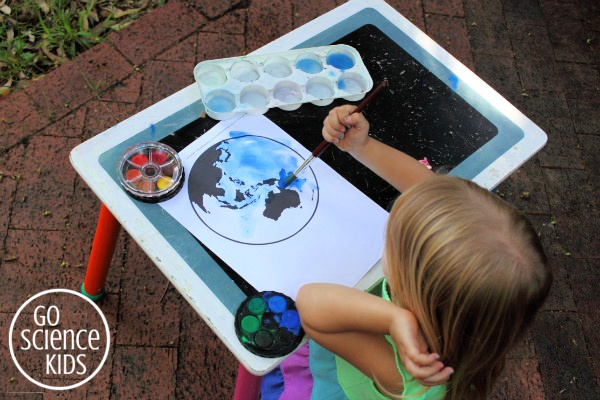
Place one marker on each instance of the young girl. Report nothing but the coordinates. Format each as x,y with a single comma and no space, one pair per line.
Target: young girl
464,276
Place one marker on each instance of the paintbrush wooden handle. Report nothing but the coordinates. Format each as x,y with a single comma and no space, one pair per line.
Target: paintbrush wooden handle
325,144
370,97
321,148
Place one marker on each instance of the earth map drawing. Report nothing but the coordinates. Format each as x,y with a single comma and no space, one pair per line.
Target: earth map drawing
235,189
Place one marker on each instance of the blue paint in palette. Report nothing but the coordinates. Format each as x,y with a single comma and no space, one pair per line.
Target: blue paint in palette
220,104
340,61
309,66
277,304
290,319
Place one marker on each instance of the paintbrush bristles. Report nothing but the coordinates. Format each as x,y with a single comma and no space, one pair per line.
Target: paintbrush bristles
292,177
288,180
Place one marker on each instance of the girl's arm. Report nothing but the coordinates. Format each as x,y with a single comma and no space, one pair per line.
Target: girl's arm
352,324
350,133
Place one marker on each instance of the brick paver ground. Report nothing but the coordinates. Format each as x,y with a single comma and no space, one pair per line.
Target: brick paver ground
542,55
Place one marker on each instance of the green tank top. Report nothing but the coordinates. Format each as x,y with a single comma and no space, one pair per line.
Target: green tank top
357,386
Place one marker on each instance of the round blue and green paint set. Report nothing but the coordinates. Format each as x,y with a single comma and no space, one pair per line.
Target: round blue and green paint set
268,324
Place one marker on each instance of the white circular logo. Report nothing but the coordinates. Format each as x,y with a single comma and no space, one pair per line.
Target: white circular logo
52,343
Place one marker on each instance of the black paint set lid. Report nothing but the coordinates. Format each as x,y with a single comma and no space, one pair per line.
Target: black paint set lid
268,324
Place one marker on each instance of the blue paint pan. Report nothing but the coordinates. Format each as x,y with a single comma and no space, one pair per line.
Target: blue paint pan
268,324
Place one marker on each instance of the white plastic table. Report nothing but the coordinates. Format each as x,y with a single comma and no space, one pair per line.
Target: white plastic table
179,256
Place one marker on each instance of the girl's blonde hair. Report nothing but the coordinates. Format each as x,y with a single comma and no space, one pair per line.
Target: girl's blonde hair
472,270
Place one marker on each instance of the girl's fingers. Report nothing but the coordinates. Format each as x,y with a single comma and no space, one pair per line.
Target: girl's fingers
420,358
423,372
329,137
332,126
437,378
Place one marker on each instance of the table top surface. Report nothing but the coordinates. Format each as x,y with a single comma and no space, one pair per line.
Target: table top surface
435,107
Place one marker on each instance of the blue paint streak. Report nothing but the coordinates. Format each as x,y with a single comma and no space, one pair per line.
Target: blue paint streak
152,131
453,81
237,133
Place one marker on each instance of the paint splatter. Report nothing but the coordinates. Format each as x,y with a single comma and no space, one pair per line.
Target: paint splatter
453,81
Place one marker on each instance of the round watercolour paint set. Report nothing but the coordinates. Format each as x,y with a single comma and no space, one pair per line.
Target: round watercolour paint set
151,172
252,84
268,324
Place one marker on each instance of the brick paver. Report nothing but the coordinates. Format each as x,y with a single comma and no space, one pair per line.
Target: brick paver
542,55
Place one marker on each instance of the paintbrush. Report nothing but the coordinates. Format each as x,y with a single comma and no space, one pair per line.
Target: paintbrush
325,144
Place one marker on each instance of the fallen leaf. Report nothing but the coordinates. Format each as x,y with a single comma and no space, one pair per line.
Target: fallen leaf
43,6
121,13
5,9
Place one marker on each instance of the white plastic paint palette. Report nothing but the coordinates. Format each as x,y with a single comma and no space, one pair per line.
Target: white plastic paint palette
253,84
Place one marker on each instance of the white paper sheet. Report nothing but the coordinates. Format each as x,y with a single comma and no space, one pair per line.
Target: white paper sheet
319,229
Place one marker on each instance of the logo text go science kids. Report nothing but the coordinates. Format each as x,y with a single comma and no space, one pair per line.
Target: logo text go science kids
59,335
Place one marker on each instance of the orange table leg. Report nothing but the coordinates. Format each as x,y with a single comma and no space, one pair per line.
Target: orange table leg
103,247
247,386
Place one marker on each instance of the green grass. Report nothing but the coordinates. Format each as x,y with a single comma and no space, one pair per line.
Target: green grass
37,36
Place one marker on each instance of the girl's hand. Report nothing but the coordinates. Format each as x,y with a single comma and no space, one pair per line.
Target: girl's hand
413,351
348,131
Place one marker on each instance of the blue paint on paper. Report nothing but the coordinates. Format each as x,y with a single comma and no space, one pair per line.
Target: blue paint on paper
340,61
238,180
453,81
152,131
298,183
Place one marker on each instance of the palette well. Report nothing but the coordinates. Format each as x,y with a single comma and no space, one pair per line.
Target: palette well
252,84
268,324
151,172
